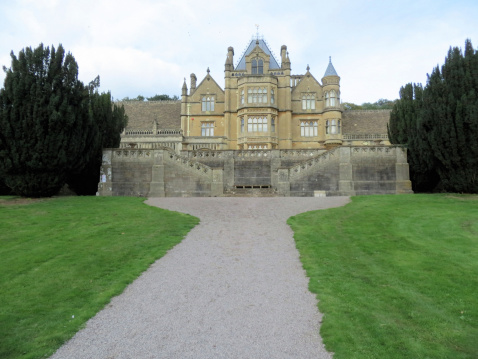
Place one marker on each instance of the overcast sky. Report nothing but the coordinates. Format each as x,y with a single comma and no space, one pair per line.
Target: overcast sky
148,47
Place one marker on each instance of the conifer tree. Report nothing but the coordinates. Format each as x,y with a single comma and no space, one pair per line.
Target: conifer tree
109,121
45,125
439,125
404,129
450,119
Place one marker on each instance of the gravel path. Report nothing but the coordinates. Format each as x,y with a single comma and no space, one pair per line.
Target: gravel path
233,288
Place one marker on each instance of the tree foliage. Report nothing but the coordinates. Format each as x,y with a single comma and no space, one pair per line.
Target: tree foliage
110,120
439,124
52,126
46,129
382,104
152,98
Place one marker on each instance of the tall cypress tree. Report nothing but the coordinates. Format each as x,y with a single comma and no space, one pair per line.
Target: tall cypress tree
450,119
110,120
439,125
45,122
403,129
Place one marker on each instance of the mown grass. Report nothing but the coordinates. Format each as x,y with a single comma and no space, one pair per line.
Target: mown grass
63,259
396,276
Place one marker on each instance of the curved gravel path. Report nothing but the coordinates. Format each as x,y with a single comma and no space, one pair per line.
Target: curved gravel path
233,288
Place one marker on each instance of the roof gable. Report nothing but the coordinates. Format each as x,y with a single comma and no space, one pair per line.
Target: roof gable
273,64
208,80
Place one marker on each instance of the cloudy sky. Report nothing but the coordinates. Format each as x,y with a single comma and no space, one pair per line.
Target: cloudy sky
148,47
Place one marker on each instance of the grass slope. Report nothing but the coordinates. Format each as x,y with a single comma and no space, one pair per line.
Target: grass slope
63,259
396,276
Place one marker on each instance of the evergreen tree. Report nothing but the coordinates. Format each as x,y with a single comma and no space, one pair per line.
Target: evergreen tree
45,125
404,129
439,125
109,122
450,119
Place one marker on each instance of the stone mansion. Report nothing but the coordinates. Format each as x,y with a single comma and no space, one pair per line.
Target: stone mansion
267,129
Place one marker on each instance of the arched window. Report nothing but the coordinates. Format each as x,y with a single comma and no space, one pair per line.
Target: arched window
261,67
257,124
207,103
254,95
308,128
254,67
327,102
207,129
308,101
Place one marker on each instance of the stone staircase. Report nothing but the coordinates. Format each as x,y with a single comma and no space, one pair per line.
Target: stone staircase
251,191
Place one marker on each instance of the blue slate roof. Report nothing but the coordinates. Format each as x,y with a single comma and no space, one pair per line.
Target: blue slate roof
330,69
262,44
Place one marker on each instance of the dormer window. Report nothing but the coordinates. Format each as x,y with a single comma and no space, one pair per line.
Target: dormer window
207,103
257,67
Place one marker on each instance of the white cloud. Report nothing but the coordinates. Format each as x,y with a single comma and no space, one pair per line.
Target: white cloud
148,46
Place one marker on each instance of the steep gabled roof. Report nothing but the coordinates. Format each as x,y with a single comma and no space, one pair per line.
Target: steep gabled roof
330,69
262,44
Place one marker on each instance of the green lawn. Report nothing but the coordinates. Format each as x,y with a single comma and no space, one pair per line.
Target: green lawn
396,276
62,260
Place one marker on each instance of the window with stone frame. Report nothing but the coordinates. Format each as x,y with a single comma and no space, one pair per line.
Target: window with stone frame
257,124
257,67
257,95
332,127
273,124
207,128
327,101
308,101
332,98
207,103
242,125
242,97
272,96
308,128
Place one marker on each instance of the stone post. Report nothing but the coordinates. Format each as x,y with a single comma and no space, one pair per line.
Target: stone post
156,188
217,185
346,184
283,185
403,183
105,186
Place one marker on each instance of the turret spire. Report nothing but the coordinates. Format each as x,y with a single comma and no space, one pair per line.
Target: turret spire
330,69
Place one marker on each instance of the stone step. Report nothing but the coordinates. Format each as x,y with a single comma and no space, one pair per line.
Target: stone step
252,191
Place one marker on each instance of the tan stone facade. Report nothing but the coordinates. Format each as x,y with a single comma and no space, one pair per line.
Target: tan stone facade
262,106
267,132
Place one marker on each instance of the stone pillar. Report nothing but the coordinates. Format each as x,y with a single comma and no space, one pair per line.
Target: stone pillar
283,185
402,175
228,174
275,165
217,185
346,184
105,186
156,188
